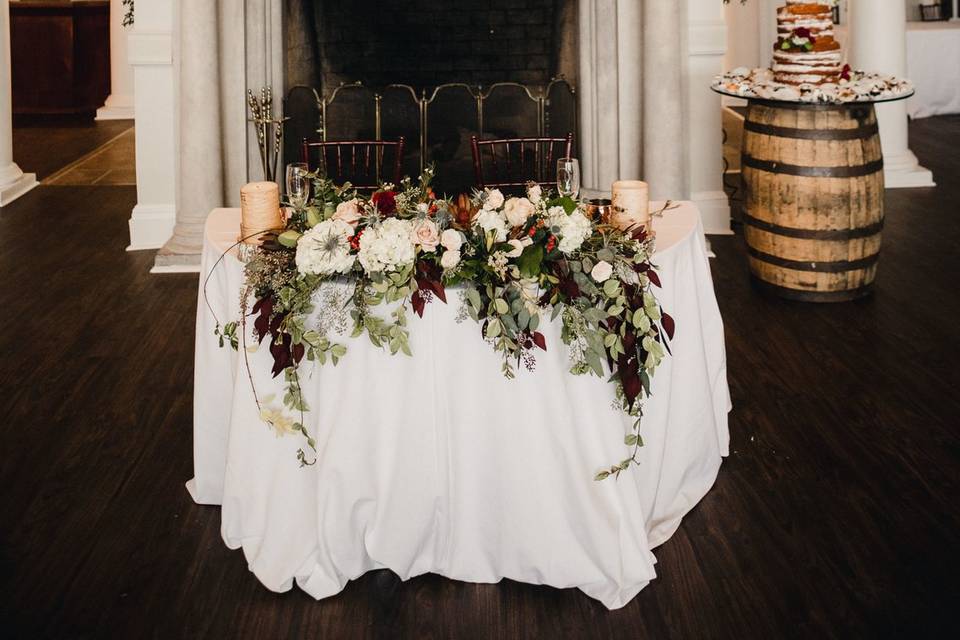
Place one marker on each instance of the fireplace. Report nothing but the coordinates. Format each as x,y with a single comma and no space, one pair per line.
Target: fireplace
434,72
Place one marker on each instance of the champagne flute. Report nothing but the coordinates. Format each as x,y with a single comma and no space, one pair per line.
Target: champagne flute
298,186
568,177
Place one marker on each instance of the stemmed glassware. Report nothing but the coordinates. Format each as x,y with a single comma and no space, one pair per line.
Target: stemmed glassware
298,184
568,177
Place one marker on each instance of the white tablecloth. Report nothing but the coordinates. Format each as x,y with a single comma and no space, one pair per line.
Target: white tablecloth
933,64
436,463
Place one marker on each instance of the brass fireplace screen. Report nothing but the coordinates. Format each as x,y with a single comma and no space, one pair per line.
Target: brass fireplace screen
436,123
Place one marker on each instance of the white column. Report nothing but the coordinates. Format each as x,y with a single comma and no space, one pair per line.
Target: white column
706,46
13,182
119,104
151,54
956,7
878,42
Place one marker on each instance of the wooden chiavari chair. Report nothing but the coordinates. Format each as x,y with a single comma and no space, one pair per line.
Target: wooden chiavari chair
360,162
515,161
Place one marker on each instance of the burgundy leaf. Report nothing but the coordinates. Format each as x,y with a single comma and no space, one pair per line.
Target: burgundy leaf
298,351
668,324
654,278
630,379
437,287
539,340
281,357
418,303
569,288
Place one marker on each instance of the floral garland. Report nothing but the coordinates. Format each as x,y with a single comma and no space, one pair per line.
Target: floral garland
515,260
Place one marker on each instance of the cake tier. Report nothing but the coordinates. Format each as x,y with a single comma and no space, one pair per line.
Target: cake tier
807,67
818,23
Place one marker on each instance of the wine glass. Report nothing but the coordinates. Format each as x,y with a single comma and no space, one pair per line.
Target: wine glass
568,177
298,185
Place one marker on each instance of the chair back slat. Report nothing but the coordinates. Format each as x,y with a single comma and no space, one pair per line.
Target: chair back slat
514,171
360,172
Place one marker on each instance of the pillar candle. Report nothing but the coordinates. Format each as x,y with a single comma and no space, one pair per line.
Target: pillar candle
631,203
259,210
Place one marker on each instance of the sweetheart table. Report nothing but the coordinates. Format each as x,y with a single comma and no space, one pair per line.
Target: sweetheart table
436,463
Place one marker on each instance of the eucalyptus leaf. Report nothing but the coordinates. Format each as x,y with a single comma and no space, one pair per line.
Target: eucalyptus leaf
530,260
289,238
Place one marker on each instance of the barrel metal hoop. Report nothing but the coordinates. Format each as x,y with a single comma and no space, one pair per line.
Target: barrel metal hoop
838,266
857,171
858,133
802,295
814,234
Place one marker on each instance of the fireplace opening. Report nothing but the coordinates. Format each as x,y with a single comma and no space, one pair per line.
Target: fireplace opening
436,72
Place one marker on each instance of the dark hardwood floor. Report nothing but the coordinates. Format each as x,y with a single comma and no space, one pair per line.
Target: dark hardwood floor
836,514
44,145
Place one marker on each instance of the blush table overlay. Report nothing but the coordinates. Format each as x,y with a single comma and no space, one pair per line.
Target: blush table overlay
436,463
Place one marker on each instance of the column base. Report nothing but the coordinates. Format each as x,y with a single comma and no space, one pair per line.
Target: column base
114,113
904,171
12,191
170,262
116,107
151,225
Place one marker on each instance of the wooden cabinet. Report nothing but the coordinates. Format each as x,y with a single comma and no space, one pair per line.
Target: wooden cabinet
60,55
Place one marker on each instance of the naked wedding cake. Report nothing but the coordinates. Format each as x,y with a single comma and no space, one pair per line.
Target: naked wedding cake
806,52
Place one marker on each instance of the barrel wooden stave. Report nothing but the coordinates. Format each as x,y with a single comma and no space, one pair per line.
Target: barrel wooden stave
813,183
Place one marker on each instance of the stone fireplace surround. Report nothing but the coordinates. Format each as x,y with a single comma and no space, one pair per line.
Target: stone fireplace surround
665,130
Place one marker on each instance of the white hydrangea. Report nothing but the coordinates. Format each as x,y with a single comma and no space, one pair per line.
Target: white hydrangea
490,220
387,247
573,229
325,249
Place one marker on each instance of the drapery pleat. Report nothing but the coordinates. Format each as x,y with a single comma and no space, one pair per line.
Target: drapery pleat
631,95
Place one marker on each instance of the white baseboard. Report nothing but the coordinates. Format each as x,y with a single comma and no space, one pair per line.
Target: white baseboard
176,268
151,225
715,212
916,177
114,113
12,191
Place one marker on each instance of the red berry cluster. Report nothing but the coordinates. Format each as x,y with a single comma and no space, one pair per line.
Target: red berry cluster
355,240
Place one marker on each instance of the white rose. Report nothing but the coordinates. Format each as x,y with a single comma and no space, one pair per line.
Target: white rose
450,259
601,271
517,211
534,192
349,212
451,239
489,220
517,248
494,199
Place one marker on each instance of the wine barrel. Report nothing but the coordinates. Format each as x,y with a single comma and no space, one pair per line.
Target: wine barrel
813,198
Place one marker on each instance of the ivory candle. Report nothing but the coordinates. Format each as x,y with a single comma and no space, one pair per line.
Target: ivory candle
259,210
631,204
